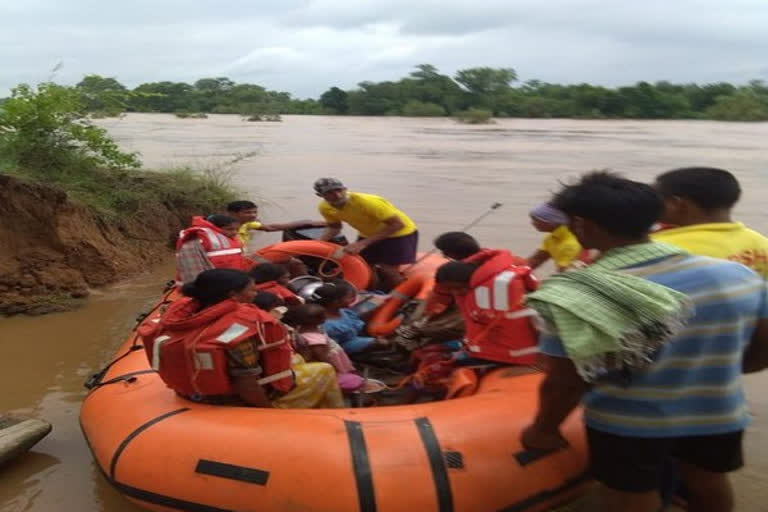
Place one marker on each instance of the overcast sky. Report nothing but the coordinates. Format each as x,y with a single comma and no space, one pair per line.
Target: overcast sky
306,46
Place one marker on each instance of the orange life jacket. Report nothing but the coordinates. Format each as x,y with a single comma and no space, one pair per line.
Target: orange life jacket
188,348
281,291
221,250
498,326
440,300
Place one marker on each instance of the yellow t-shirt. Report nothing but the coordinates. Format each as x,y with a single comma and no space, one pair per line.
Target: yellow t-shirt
366,213
562,246
245,231
725,240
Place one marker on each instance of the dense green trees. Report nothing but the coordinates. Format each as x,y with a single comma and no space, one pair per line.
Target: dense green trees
427,92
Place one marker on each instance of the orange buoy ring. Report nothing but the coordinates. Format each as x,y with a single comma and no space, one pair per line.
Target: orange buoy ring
384,321
353,267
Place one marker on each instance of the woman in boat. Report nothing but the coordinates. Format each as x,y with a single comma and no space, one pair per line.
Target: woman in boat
210,242
215,346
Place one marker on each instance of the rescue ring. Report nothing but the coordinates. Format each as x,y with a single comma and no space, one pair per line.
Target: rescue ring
384,321
353,267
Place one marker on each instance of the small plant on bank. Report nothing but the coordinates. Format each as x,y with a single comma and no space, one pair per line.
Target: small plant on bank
475,116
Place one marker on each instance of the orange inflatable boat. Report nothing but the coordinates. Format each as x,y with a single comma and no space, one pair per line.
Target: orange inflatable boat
463,455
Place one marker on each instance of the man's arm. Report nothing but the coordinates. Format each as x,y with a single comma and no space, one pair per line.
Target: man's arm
293,225
756,355
538,259
332,229
391,226
559,394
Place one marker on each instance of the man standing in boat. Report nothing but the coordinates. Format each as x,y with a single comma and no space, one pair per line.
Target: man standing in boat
387,239
654,341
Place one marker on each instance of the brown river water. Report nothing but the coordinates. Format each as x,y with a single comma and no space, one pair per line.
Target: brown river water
441,173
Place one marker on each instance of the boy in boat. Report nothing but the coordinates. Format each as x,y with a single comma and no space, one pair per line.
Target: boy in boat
248,214
699,202
387,239
654,341
559,245
441,320
488,288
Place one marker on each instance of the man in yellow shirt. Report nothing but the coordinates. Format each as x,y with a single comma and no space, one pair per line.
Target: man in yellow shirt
560,245
699,201
388,237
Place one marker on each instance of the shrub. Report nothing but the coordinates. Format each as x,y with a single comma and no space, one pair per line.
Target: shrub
742,106
416,108
47,129
475,116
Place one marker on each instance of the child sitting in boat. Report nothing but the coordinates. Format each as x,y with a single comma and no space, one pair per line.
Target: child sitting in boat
343,324
315,345
271,303
273,278
561,246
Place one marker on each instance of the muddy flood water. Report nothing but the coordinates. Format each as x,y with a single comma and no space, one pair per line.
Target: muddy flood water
441,173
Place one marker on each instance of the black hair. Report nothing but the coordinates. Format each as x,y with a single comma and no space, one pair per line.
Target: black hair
213,286
267,301
708,187
266,272
331,292
221,221
455,272
457,245
238,206
620,206
304,314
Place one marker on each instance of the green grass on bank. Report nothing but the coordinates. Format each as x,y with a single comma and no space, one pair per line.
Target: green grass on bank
125,193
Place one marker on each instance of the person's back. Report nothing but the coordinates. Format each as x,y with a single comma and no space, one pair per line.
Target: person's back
726,240
489,289
693,387
699,200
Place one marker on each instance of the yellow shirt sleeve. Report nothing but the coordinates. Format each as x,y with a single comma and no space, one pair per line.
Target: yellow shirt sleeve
566,252
562,246
244,233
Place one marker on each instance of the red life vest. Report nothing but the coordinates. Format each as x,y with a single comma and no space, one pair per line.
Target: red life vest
439,300
281,291
188,348
221,250
498,326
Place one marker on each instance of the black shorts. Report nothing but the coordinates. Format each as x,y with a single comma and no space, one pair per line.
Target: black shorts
400,250
636,464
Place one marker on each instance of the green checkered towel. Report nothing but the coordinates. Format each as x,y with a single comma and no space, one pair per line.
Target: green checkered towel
608,319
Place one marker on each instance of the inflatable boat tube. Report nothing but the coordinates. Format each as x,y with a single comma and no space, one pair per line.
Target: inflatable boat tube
462,455
353,267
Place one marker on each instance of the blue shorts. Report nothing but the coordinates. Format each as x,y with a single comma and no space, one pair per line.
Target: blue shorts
400,250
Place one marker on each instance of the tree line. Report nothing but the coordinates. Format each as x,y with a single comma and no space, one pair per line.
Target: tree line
427,92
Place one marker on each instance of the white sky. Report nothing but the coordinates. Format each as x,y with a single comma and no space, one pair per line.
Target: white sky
306,46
